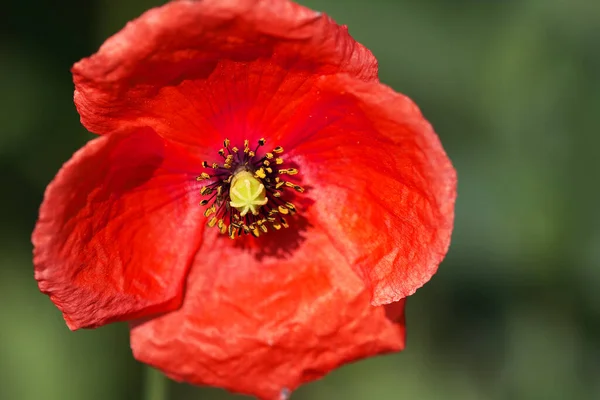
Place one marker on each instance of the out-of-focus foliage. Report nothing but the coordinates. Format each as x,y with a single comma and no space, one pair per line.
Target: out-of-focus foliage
513,89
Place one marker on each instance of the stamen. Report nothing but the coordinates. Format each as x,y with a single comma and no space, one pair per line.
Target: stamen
260,173
245,192
283,210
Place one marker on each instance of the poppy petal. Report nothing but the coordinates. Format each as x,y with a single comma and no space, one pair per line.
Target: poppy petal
187,40
238,101
382,185
109,244
258,323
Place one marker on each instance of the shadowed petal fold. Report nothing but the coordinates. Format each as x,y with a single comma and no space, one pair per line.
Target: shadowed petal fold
118,229
258,323
187,40
384,188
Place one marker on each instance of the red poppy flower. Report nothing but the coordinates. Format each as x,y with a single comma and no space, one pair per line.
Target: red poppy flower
257,204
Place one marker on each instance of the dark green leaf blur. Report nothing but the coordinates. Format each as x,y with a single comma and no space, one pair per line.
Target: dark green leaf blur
513,90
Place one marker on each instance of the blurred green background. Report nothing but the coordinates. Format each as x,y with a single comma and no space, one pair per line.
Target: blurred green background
513,89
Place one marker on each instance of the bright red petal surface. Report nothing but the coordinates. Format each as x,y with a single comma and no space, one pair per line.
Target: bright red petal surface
240,100
118,229
257,323
382,186
189,40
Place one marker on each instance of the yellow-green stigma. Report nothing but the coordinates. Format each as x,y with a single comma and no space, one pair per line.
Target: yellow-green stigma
245,193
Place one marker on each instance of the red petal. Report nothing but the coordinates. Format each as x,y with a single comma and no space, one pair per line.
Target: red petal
382,186
118,230
238,101
257,323
187,40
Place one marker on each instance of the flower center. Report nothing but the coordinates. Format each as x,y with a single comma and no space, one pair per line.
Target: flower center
245,193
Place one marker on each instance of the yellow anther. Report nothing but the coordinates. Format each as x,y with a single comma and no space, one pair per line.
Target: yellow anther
209,211
260,173
283,210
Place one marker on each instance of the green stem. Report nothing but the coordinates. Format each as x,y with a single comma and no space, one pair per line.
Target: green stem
156,385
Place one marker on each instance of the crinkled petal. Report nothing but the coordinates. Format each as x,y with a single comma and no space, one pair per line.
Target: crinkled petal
187,40
383,187
238,101
263,320
118,229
